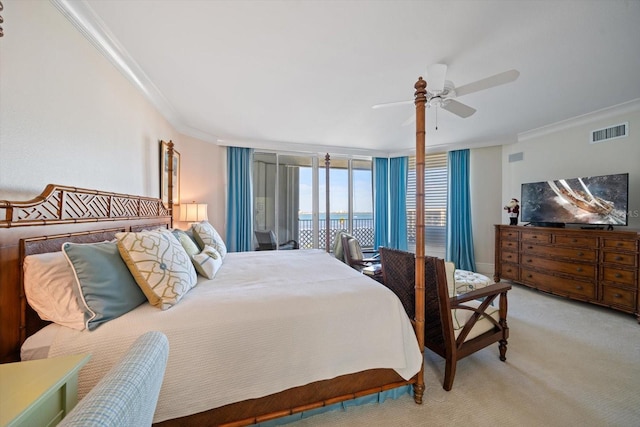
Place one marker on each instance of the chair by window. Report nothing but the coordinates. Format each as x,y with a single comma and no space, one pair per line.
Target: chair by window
267,242
455,326
353,255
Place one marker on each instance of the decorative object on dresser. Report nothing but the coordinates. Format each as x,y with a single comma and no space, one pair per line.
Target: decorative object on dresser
596,266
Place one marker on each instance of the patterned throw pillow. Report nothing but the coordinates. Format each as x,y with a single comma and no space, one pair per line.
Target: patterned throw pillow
187,242
207,262
159,264
206,235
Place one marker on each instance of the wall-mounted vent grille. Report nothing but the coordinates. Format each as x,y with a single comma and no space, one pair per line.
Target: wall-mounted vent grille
613,132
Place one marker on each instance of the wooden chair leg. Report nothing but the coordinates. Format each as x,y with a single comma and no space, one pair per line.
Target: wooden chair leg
449,374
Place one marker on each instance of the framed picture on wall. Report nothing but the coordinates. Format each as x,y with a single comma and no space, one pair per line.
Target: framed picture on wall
164,174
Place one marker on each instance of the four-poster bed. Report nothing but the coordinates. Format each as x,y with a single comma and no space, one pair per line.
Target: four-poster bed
68,214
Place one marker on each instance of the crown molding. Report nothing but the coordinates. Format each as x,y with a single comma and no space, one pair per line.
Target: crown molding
80,14
603,114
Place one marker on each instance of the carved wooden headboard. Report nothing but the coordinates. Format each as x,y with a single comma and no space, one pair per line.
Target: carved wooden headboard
58,215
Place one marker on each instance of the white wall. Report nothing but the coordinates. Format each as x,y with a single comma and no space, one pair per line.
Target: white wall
567,153
485,173
67,116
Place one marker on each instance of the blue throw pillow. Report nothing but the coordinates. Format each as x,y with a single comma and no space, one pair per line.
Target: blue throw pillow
104,286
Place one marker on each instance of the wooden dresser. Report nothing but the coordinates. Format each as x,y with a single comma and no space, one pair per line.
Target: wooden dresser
596,266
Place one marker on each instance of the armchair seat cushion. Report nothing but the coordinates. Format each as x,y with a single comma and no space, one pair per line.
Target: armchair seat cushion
463,281
460,317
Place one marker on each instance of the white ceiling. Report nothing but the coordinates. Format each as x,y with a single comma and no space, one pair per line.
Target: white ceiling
307,72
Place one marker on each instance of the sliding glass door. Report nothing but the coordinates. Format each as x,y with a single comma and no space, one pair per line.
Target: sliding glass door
290,194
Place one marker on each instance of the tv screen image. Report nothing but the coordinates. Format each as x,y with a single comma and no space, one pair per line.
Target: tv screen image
597,200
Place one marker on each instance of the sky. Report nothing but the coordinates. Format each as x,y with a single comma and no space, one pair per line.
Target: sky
339,190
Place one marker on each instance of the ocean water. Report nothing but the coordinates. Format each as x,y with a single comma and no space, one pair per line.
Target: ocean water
360,219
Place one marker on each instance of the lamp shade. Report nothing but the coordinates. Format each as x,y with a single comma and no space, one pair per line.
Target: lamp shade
193,212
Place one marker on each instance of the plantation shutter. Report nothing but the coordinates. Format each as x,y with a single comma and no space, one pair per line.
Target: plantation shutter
435,184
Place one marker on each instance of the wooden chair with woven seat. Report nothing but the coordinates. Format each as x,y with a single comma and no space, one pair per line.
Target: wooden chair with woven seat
455,325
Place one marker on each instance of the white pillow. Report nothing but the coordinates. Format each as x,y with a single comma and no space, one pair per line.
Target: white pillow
207,262
48,286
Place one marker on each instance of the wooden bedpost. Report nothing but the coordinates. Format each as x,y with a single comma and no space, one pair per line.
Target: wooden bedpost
327,214
420,102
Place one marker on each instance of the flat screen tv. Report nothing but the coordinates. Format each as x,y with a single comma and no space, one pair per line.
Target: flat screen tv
592,200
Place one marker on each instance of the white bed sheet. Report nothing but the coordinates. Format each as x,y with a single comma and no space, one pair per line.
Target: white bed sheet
267,322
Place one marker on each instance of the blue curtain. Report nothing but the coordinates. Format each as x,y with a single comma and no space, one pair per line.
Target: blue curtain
398,173
459,232
380,202
240,200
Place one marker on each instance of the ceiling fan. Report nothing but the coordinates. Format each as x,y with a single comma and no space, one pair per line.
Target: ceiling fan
441,92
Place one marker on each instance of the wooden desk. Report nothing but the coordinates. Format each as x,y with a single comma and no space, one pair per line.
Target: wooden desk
39,392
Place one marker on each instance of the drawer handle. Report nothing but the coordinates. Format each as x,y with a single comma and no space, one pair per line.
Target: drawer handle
619,244
617,295
535,237
529,276
579,269
618,258
574,240
529,260
618,275
578,287
580,253
509,256
529,247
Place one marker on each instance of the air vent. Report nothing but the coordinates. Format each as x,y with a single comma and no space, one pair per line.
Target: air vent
607,134
516,157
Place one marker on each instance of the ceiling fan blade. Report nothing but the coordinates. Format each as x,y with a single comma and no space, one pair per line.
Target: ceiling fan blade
410,120
435,78
489,82
392,104
458,108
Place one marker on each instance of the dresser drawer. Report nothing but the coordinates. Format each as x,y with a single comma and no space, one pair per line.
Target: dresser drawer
587,255
620,258
508,256
620,297
573,241
510,271
557,284
618,275
508,235
509,244
533,236
575,269
627,245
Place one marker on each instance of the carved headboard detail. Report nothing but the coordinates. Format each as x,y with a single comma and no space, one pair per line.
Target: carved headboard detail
59,204
41,225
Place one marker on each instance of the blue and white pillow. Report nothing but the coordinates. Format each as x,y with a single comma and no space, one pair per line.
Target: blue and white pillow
104,287
207,262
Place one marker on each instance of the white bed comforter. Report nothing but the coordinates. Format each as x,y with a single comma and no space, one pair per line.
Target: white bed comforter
267,322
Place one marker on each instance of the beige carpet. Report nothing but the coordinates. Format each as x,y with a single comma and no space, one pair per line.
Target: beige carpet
568,364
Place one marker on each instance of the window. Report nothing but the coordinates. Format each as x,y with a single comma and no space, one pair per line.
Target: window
298,184
435,204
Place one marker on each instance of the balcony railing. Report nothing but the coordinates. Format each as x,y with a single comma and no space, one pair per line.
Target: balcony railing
362,230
